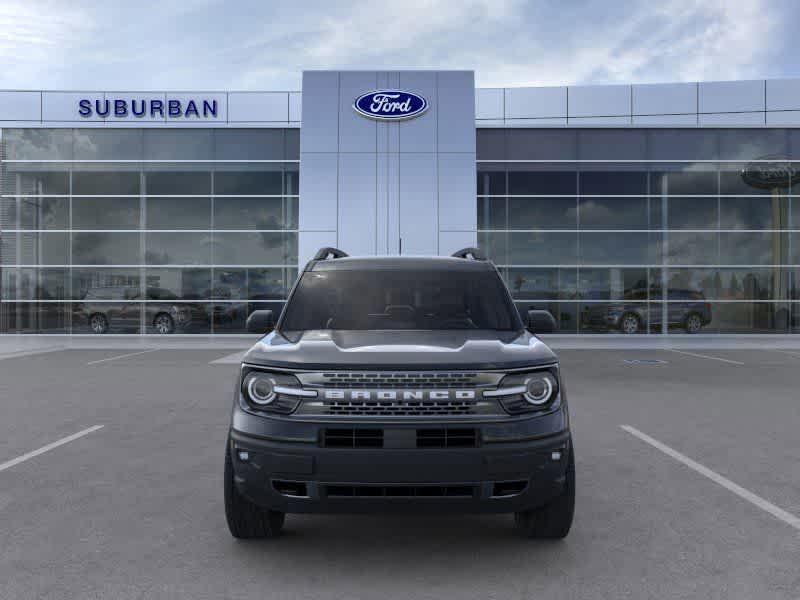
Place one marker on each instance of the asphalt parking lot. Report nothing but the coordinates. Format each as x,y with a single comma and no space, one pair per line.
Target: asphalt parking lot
698,496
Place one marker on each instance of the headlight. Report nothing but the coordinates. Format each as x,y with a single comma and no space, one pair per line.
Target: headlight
272,392
260,389
527,392
539,389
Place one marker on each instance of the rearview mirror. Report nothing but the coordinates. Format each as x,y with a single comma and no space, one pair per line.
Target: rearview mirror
260,321
541,321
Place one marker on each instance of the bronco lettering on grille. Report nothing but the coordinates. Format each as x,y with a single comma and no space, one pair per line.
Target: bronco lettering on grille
399,395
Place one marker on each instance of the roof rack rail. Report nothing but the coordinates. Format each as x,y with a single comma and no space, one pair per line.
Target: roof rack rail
470,253
326,253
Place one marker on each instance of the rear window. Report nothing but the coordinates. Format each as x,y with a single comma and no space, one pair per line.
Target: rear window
400,299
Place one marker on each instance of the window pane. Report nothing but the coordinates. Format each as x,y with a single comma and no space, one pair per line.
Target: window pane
176,317
255,248
542,213
613,284
38,144
619,248
178,213
33,182
541,248
754,213
542,284
492,213
254,213
103,182
249,144
613,213
178,183
107,144
753,248
105,213
174,284
178,144
692,248
106,284
751,317
683,283
105,249
47,248
32,317
542,183
42,213
235,183
754,284
491,183
35,284
178,248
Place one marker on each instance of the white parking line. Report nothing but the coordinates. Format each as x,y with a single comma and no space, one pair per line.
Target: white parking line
795,354
229,359
727,360
43,449
760,502
94,362
22,353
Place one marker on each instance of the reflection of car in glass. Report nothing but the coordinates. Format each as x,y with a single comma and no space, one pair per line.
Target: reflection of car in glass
399,383
102,316
688,310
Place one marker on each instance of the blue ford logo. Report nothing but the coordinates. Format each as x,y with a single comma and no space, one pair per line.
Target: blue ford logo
390,105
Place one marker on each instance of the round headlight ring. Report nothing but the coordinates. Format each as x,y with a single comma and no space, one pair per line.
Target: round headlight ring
538,390
261,390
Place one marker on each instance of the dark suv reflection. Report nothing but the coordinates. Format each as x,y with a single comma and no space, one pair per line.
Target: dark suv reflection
688,310
102,316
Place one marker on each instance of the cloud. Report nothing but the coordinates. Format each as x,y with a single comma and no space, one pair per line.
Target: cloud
208,44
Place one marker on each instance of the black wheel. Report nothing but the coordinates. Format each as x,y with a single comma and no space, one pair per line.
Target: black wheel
245,519
554,519
98,323
693,323
163,323
630,323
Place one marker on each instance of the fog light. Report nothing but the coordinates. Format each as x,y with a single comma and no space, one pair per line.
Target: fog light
244,455
556,455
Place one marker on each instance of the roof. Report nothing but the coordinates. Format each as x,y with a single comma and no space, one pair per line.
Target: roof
355,263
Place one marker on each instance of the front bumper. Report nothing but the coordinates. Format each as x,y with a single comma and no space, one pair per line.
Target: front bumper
516,465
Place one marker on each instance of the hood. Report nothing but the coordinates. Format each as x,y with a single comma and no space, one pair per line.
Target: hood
444,349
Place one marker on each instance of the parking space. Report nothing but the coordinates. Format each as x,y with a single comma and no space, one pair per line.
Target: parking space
134,509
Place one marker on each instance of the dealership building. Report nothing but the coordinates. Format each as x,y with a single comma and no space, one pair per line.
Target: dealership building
641,209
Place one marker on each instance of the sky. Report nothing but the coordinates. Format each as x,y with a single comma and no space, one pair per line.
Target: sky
206,45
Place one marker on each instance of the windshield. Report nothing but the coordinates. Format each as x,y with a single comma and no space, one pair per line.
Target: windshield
400,299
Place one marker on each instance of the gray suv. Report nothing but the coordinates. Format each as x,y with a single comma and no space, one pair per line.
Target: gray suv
399,384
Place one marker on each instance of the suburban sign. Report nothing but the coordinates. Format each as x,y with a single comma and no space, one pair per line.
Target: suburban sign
390,105
171,108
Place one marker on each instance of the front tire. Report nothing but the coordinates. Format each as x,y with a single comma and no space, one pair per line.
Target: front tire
98,323
693,323
630,324
245,519
164,324
554,519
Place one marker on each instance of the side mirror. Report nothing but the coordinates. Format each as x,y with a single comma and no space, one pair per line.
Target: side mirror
541,321
260,321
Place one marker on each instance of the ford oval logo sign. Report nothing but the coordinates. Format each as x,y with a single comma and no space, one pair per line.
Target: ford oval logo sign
390,105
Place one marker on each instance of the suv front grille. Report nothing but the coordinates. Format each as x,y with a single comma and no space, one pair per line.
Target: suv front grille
398,408
439,437
347,380
400,491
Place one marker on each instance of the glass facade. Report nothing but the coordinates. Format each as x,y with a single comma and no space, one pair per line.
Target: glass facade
646,230
145,230
641,231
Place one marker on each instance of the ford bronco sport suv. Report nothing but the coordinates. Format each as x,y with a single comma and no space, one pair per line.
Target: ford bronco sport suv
399,383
